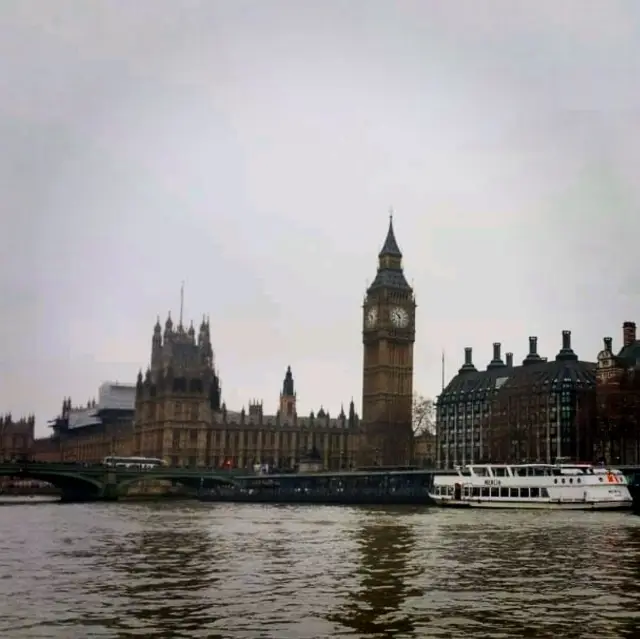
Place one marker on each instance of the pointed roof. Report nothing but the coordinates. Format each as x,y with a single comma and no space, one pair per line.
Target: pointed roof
390,273
390,246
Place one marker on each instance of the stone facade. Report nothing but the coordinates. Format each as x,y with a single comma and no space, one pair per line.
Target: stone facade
179,415
388,336
16,437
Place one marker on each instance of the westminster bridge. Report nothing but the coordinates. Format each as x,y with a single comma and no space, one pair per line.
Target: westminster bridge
80,482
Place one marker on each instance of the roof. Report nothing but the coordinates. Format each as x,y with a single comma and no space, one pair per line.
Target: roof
390,247
561,369
630,354
390,274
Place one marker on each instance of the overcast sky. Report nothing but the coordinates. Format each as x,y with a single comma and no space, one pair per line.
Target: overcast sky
253,149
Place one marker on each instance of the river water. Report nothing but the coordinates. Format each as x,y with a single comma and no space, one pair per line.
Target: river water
223,570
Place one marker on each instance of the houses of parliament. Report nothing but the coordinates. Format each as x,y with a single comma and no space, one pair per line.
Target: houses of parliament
176,410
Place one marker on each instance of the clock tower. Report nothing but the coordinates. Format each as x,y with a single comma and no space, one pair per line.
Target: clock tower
388,335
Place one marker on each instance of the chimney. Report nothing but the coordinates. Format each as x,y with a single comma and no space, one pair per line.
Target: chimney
608,344
509,360
497,359
566,352
468,361
532,357
628,333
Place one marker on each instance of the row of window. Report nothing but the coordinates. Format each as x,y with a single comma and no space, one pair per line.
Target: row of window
542,402
495,492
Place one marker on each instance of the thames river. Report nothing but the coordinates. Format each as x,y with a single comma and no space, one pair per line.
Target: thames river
207,570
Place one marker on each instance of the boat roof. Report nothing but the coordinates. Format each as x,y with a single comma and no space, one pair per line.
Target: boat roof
533,465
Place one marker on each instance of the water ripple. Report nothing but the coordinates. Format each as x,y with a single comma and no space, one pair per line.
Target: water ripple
234,571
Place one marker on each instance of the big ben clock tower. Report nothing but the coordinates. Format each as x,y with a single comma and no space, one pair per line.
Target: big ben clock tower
388,335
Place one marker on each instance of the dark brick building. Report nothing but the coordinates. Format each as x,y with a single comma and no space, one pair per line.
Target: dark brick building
537,411
618,399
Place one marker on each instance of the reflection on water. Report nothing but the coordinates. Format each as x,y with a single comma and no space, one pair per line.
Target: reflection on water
164,576
516,574
376,606
202,570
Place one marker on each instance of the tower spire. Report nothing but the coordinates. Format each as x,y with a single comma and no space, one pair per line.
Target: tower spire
181,301
390,247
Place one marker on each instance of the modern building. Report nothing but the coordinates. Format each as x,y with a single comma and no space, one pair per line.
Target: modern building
388,336
618,399
538,411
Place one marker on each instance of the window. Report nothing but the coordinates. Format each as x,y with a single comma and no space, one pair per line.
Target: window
544,492
524,492
534,492
514,493
504,492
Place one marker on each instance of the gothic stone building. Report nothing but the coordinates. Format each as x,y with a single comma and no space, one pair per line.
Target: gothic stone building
539,411
180,417
388,335
618,399
91,432
16,437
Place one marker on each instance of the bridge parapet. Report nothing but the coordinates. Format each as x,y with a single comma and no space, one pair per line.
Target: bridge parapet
97,482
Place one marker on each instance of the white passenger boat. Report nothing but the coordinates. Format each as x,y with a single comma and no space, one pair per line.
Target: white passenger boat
544,486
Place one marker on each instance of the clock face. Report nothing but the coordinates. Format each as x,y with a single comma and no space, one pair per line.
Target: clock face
399,317
372,317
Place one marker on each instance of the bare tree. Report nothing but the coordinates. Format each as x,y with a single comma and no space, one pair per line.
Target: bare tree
423,415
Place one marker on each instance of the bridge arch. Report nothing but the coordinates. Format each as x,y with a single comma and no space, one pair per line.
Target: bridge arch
69,483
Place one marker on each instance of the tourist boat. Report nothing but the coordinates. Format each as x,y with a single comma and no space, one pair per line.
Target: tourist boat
550,486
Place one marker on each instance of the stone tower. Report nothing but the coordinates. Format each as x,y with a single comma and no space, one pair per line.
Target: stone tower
176,397
388,335
288,397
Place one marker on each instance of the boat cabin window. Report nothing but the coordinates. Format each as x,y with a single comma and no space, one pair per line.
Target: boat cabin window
500,471
534,492
465,472
480,471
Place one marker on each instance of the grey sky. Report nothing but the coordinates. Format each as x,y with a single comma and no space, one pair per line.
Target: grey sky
253,149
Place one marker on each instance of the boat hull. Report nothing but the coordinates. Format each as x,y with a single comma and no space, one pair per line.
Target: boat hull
535,505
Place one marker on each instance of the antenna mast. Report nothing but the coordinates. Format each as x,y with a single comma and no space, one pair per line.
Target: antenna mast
181,301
